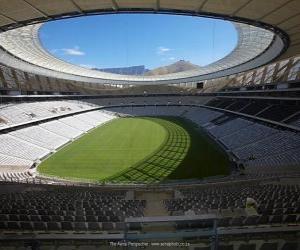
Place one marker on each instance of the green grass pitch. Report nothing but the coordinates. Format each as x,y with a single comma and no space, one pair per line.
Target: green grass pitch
145,149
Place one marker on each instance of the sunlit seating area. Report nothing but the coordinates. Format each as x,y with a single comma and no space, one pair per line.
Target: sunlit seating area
22,148
18,113
252,142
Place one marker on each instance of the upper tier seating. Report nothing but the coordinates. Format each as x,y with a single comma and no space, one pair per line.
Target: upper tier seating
76,123
287,113
149,110
253,108
238,105
61,129
202,116
32,111
295,120
279,112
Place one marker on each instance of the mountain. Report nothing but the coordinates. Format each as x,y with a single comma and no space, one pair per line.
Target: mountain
178,66
133,70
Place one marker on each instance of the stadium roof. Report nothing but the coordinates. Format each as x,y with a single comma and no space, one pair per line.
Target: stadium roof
266,29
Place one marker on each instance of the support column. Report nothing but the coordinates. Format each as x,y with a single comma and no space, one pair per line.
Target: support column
288,68
16,80
28,83
2,79
275,72
39,83
263,76
253,77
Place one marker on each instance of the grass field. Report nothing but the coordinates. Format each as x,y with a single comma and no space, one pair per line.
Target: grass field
145,149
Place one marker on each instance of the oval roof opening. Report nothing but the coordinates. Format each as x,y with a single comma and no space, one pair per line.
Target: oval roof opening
139,44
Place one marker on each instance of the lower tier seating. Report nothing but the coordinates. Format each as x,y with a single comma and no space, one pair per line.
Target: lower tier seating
22,148
253,143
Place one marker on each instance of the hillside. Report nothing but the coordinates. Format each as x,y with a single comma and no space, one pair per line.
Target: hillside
176,67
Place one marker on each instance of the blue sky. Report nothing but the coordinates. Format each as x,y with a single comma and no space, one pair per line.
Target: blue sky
153,40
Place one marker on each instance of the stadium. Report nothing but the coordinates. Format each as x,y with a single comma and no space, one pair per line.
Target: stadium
202,158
